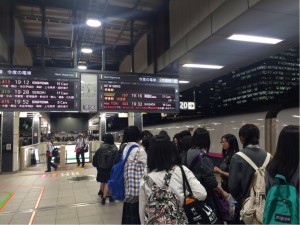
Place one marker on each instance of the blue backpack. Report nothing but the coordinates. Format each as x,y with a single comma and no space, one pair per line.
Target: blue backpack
116,182
282,203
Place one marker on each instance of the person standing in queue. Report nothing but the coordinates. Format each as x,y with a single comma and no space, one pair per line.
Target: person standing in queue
230,146
240,171
133,174
50,148
79,148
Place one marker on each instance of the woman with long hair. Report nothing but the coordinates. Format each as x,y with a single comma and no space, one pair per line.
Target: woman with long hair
286,158
229,147
162,164
200,163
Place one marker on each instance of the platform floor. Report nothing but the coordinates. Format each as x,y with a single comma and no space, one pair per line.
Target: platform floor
66,196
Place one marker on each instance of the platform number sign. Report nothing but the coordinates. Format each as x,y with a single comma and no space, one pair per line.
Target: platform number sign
187,105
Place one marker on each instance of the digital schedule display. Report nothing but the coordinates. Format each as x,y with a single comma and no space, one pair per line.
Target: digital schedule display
37,90
123,93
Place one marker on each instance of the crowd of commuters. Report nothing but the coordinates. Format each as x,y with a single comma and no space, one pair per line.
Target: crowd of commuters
160,156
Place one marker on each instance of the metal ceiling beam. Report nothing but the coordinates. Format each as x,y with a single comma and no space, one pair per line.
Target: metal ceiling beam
28,17
65,44
131,26
111,11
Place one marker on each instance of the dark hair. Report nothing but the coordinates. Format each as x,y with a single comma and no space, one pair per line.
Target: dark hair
201,139
185,144
145,142
250,134
184,133
177,136
162,154
233,145
286,157
132,134
108,139
146,133
164,133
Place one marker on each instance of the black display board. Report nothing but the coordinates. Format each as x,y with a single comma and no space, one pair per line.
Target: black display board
24,89
138,93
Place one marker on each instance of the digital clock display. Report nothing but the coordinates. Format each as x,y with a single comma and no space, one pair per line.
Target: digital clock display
30,90
138,93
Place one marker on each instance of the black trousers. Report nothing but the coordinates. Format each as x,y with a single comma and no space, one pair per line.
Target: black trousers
49,164
81,153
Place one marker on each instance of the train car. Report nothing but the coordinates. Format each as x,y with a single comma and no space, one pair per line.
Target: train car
270,123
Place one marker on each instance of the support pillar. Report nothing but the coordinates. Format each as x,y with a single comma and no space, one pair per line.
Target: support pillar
102,125
36,128
10,142
135,119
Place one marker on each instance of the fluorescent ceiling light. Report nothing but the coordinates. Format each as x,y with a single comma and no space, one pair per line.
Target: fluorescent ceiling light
205,66
86,50
257,39
93,23
82,67
184,82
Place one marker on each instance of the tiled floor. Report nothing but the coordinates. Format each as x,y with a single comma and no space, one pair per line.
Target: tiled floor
66,196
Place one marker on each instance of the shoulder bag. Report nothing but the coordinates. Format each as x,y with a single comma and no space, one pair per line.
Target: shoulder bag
197,212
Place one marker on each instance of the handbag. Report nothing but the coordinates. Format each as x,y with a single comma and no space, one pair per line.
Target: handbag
48,154
77,149
226,206
86,149
197,212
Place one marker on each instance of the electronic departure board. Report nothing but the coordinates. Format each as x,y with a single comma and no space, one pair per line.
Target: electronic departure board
143,93
38,90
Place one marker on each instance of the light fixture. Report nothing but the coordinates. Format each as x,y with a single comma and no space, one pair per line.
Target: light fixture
86,50
257,39
93,22
82,65
184,81
204,66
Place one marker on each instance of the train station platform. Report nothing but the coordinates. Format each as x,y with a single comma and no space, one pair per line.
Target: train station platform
66,196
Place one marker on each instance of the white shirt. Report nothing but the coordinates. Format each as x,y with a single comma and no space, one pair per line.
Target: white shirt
142,154
50,146
175,185
80,143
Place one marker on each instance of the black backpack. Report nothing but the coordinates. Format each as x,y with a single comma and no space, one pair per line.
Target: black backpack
107,157
55,152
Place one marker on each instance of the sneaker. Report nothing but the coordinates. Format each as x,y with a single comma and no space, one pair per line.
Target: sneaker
48,171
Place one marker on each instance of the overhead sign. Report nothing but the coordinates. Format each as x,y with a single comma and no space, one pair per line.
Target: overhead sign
26,89
138,93
187,106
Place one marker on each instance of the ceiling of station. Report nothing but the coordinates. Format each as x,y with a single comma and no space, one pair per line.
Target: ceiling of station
65,19
65,27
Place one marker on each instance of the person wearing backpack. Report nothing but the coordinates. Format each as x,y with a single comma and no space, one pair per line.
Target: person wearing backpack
283,192
240,171
161,190
200,163
104,159
133,172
